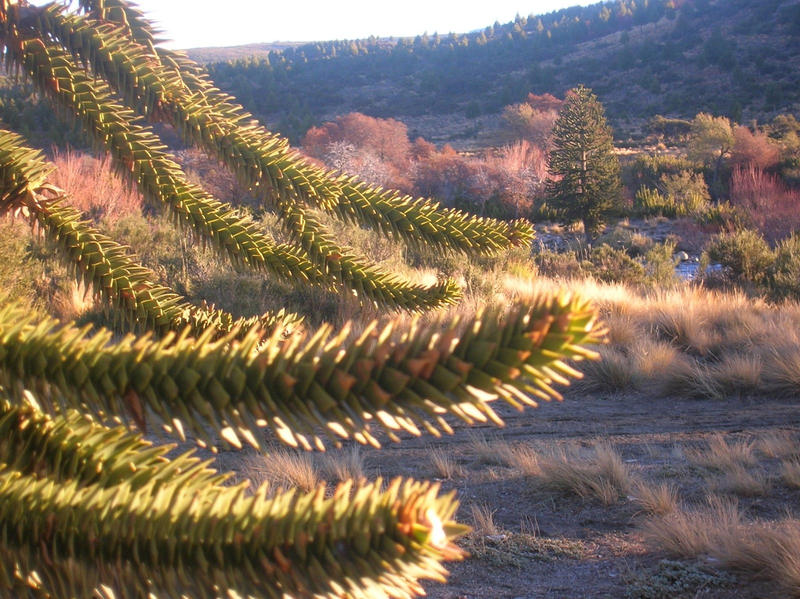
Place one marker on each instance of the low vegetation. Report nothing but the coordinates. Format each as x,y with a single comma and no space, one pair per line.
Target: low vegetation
690,251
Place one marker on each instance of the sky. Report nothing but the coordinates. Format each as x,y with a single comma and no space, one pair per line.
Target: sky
197,23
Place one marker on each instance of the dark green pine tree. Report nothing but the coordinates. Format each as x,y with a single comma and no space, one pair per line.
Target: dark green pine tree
584,170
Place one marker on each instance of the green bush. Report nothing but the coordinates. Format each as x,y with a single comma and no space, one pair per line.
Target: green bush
679,194
659,264
560,265
651,202
723,215
784,275
614,265
689,191
622,237
744,255
649,169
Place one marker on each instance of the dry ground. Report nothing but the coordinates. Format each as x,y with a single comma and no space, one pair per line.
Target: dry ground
551,543
534,537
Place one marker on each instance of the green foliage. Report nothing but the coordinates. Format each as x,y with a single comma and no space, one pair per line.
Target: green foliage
586,183
784,273
672,579
743,254
710,142
681,194
615,265
648,170
89,508
659,264
711,138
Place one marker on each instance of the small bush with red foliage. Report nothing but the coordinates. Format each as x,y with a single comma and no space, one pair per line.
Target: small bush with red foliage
502,183
93,186
769,205
754,150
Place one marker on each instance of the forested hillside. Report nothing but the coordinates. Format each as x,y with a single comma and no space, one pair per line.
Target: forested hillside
645,57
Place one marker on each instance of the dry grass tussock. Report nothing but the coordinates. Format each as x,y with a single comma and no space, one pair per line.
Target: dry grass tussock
767,550
281,468
597,474
525,460
690,532
790,472
687,340
490,451
738,480
613,372
343,465
771,551
721,455
659,499
483,520
444,465
781,444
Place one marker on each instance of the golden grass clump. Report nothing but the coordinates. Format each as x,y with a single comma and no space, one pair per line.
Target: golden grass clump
686,327
779,444
770,551
282,468
765,550
483,520
655,360
343,465
687,533
720,455
738,480
782,366
613,372
444,464
599,475
738,373
658,500
525,460
494,452
790,472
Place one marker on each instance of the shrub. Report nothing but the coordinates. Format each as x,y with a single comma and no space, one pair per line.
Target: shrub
753,149
615,265
765,201
623,237
564,265
648,169
784,274
677,194
659,264
744,256
651,202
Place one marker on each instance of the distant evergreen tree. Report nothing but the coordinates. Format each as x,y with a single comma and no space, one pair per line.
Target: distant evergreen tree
584,170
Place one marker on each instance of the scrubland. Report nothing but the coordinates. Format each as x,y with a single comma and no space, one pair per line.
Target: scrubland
671,469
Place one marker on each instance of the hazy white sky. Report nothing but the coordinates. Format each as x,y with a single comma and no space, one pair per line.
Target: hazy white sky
193,23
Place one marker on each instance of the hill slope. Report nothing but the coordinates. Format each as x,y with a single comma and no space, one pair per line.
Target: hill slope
645,57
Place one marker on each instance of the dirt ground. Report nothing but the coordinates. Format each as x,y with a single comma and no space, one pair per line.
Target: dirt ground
582,548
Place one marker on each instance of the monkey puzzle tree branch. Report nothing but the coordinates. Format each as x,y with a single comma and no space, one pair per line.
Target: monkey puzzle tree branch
185,97
139,152
170,540
302,387
101,263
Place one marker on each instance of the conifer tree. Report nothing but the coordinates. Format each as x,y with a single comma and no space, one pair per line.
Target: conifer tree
87,506
585,181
